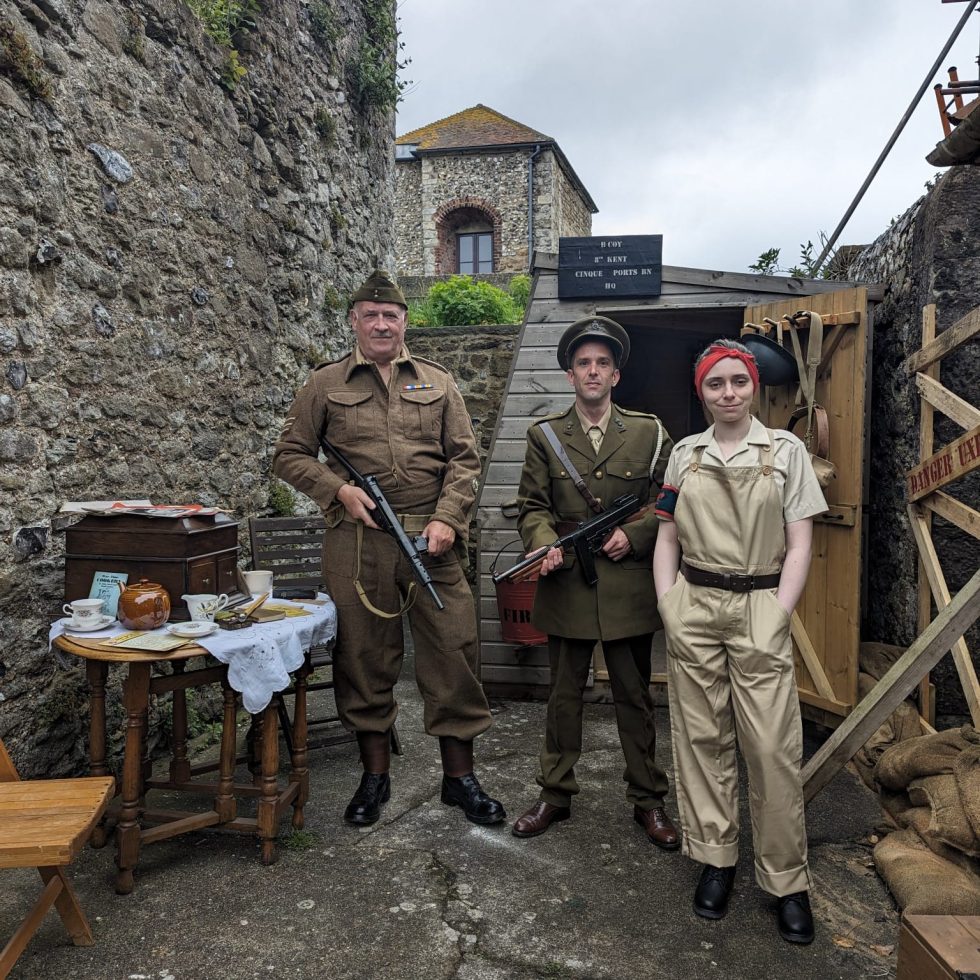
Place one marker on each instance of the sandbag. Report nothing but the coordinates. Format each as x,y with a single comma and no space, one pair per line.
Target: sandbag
923,883
948,822
927,755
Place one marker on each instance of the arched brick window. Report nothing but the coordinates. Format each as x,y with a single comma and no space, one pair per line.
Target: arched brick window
468,237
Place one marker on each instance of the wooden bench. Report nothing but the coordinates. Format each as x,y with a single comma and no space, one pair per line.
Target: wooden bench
43,824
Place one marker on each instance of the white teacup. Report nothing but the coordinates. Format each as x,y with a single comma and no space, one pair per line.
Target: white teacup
83,612
203,606
258,582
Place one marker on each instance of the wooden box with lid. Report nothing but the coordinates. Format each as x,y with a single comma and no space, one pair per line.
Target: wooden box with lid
186,555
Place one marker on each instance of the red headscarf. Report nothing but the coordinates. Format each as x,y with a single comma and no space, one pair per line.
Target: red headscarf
717,353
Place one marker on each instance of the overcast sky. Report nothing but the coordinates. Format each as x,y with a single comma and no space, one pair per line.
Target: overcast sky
728,127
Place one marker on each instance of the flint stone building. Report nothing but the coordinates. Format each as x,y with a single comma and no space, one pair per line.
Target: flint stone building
477,193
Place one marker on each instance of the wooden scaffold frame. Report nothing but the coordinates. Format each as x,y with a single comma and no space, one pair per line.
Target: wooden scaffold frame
955,615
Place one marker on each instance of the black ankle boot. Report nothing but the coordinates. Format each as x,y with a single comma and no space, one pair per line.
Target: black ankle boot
465,792
795,919
714,887
365,805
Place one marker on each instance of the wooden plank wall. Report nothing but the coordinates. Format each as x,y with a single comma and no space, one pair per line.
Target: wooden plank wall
831,604
538,387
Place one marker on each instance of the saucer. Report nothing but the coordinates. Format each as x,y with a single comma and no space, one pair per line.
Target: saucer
101,623
192,630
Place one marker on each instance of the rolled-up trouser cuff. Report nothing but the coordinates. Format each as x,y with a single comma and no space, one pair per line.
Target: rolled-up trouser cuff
781,883
718,855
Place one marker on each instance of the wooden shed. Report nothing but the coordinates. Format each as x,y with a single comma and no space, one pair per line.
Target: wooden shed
666,333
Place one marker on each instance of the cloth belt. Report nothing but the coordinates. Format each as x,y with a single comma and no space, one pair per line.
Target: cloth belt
730,581
412,523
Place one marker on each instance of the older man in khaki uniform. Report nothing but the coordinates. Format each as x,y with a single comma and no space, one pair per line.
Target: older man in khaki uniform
402,419
611,451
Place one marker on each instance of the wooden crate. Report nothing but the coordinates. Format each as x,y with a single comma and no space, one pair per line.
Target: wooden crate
939,947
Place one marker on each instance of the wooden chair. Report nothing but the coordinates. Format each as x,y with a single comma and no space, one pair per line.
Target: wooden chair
43,824
290,548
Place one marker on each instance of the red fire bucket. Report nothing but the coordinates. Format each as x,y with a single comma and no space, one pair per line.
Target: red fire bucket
514,603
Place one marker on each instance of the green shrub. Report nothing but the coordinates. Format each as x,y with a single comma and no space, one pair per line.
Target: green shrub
282,499
519,290
460,301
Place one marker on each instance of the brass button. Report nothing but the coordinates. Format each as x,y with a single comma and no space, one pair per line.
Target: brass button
629,472
694,467
562,473
767,471
598,474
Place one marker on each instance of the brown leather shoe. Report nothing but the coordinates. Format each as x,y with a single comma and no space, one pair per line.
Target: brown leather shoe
658,827
538,819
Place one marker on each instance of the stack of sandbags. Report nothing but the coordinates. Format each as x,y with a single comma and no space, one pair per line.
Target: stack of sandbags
930,788
875,660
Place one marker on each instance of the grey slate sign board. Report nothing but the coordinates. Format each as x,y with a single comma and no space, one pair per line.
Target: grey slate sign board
610,266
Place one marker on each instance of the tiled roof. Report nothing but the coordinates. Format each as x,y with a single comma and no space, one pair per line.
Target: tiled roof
473,127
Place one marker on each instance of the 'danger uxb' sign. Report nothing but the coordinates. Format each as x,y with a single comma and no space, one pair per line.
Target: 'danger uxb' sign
627,265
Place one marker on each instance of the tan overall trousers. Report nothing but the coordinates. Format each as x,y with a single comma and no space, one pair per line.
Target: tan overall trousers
731,672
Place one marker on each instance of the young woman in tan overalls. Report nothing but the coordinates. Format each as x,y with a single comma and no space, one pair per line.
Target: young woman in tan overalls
737,508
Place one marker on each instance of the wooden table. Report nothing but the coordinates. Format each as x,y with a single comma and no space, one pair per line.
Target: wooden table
131,813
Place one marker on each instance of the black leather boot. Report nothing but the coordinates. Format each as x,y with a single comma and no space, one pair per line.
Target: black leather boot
365,805
375,788
795,918
461,788
714,887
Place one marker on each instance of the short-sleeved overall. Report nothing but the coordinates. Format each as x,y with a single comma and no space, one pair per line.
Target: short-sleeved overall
730,670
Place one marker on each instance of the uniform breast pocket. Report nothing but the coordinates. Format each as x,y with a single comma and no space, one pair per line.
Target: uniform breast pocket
422,413
350,414
630,476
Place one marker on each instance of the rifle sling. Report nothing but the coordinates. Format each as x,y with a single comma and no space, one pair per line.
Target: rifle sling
559,450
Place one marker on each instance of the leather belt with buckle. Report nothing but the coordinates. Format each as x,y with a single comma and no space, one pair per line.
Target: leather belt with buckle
730,581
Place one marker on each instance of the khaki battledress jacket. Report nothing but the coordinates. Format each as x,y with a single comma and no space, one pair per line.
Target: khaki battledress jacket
415,436
623,602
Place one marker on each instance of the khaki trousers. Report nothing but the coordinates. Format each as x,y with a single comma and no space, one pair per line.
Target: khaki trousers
731,673
628,661
368,655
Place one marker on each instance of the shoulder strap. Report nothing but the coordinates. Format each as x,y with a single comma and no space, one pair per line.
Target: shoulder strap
559,449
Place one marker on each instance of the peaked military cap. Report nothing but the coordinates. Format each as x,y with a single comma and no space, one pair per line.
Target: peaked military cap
593,328
379,287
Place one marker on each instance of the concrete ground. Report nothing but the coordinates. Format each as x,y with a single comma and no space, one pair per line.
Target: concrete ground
425,894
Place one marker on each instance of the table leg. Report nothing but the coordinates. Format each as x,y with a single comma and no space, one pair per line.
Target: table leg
136,697
97,672
180,767
225,804
299,772
268,805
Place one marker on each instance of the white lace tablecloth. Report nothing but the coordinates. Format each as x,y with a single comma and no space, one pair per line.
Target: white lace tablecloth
260,658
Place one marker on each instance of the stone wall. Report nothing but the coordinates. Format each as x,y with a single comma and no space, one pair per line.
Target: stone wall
931,254
559,211
174,256
409,218
479,359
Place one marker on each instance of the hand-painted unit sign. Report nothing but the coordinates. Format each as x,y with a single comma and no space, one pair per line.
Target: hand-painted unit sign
956,460
628,265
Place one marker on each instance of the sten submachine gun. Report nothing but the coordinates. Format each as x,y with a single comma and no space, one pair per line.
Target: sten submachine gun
384,516
586,541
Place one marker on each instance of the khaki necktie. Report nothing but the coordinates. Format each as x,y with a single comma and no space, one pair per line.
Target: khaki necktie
595,437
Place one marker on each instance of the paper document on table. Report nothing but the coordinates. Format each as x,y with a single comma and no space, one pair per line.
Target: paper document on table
159,642
288,611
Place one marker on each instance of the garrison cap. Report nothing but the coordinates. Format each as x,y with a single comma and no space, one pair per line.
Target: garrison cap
379,287
594,328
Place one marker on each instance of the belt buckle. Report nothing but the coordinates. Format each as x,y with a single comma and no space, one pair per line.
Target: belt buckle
741,583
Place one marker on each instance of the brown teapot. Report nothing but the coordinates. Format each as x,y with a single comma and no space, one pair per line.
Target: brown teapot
143,606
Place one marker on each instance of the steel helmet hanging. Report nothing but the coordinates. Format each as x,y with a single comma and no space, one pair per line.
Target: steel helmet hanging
777,366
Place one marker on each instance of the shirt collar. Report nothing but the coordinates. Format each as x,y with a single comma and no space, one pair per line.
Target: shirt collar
359,360
756,436
602,423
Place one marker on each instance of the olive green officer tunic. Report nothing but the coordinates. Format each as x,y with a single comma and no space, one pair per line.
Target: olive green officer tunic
620,610
414,434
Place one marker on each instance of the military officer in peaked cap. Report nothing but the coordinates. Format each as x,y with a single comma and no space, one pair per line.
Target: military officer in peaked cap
612,451
402,419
